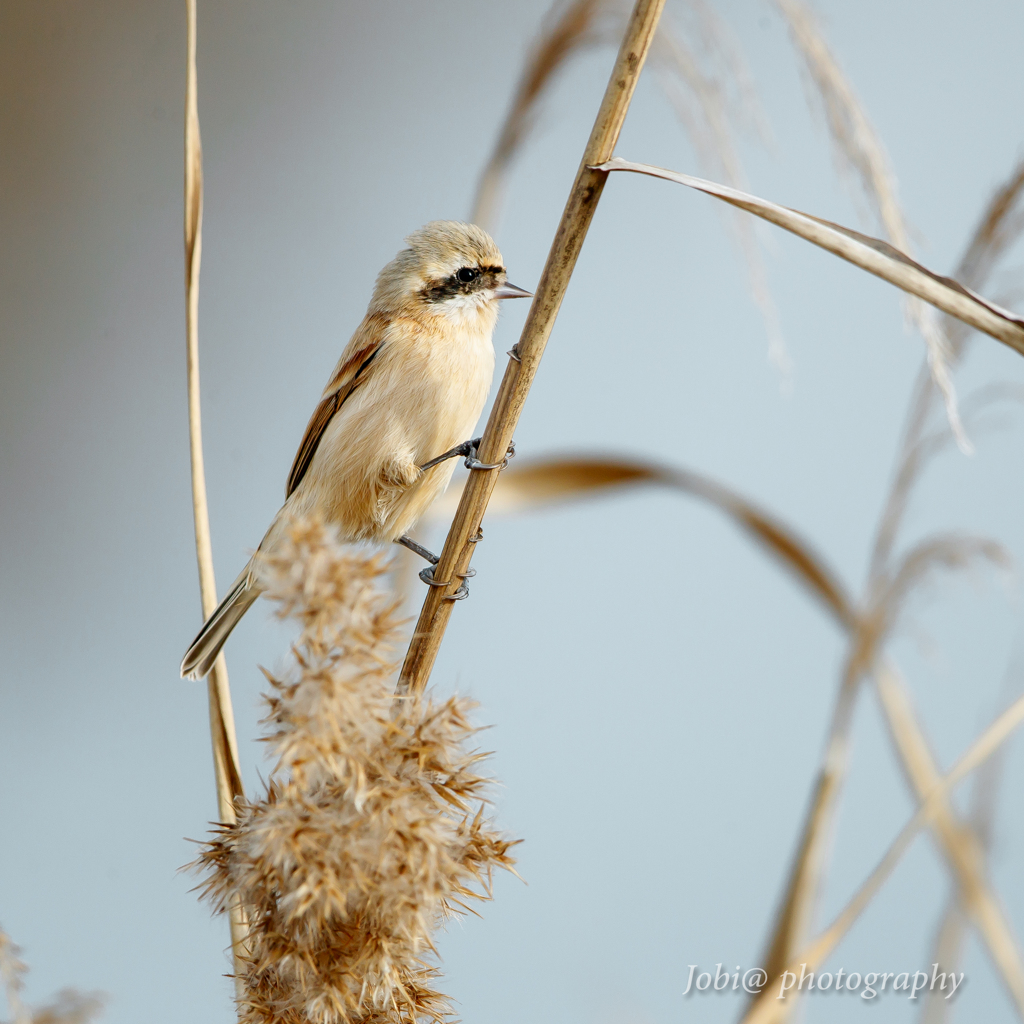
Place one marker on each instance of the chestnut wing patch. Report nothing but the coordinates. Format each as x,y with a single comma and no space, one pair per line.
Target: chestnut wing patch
345,381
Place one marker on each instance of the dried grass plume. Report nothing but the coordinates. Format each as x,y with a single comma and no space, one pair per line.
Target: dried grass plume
371,830
70,1006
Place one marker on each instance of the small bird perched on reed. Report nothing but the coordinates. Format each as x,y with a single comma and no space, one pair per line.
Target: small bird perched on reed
408,389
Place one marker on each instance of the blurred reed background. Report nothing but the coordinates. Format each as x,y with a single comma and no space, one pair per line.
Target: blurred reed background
660,691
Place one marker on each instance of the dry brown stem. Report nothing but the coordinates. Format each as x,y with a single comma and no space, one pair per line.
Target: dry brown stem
768,1009
522,367
948,947
371,830
227,771
957,841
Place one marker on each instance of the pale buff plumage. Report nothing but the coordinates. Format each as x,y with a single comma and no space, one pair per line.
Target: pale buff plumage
410,385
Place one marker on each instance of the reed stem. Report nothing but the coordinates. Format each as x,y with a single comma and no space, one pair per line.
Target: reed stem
522,367
222,720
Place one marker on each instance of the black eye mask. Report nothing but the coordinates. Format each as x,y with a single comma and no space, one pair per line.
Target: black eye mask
464,281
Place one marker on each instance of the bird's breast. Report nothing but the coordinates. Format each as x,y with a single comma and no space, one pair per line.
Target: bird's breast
421,395
434,385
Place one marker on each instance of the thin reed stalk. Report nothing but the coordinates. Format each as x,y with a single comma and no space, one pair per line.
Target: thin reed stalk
768,1008
227,771
957,841
525,359
807,873
948,948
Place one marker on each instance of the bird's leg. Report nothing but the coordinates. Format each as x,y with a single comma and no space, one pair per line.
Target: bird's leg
417,549
453,453
469,449
427,575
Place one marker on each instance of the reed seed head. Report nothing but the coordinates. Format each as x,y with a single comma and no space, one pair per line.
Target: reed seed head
371,830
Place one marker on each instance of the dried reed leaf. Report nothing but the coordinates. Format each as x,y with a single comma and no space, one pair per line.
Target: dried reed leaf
870,254
806,875
998,227
530,485
768,1009
371,830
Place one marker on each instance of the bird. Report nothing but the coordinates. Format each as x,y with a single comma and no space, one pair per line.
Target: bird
405,394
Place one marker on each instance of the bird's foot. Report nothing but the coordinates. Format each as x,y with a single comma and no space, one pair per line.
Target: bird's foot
469,450
427,575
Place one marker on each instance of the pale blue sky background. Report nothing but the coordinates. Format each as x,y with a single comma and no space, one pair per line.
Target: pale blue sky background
659,691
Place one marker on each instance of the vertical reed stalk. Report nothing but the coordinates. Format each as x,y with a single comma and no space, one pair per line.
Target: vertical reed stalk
522,367
222,720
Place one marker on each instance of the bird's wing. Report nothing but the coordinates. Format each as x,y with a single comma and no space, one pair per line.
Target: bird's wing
348,375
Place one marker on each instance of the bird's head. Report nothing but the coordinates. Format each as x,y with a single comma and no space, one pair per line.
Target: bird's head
450,270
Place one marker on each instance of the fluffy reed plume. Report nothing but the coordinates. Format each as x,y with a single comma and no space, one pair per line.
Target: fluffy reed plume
1000,226
702,73
696,63
70,1007
568,29
371,829
860,153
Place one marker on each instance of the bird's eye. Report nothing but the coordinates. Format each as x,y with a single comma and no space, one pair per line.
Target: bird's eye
467,274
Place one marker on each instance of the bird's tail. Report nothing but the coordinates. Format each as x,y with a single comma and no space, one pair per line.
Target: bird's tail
199,658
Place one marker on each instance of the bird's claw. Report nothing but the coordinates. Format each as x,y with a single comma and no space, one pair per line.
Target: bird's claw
472,462
427,575
469,450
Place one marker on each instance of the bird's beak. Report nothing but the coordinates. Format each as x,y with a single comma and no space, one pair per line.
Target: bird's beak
510,291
